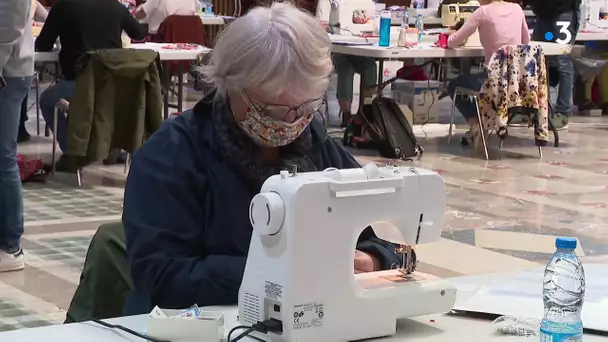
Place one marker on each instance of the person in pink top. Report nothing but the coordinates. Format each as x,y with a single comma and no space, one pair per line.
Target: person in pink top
499,23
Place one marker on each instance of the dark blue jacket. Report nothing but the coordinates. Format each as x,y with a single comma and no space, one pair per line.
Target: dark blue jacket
186,216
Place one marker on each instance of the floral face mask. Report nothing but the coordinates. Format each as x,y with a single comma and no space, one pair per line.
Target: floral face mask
264,127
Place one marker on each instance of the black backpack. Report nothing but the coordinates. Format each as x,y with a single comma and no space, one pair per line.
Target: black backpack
383,126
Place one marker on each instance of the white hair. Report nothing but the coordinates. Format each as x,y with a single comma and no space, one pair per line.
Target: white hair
273,49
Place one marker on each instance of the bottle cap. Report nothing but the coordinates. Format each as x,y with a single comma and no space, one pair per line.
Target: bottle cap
565,242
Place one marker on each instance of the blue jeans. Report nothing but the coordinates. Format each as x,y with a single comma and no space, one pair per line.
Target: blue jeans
11,198
565,67
346,67
49,98
473,81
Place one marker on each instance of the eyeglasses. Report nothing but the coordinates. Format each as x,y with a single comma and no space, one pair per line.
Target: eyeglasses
280,112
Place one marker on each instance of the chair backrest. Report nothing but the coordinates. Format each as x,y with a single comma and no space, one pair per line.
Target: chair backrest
517,82
517,69
182,29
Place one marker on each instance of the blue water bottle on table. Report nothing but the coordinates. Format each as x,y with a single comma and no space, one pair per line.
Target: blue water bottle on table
419,27
385,28
563,295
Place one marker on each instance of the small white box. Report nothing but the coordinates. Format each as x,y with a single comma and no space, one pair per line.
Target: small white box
422,97
208,327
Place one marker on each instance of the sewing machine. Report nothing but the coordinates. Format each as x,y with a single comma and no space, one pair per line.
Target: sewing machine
352,17
453,14
595,15
300,263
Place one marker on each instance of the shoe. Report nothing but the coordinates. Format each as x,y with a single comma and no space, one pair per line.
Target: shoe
64,164
467,140
345,119
12,261
604,108
23,135
560,121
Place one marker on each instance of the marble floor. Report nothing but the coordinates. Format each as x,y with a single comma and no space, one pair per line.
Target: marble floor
502,214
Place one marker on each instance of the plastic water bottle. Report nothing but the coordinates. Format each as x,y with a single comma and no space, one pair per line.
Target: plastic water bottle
405,24
385,28
420,27
563,295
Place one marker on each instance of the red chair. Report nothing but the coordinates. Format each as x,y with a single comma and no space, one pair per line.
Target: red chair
179,29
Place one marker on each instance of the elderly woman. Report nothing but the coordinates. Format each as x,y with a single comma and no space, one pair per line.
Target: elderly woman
188,193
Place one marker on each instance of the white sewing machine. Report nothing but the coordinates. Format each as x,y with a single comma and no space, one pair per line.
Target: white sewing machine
300,264
352,17
595,15
452,14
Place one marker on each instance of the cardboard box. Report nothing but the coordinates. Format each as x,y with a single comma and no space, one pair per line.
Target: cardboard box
209,327
422,97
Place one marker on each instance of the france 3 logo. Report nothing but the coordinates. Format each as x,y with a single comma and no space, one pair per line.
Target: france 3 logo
563,36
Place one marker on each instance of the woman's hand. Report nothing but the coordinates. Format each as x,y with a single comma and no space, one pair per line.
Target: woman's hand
325,25
365,262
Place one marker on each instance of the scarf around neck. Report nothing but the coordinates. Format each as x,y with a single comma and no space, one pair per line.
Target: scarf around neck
245,157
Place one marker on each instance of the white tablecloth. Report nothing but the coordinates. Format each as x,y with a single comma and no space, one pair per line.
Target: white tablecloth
436,328
165,54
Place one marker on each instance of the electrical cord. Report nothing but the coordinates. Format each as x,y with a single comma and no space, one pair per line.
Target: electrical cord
127,330
264,327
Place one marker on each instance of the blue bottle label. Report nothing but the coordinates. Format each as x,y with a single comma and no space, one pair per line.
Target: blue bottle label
548,336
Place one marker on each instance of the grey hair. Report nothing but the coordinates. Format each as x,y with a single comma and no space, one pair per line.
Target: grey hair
273,49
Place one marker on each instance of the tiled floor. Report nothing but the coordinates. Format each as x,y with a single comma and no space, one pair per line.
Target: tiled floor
502,214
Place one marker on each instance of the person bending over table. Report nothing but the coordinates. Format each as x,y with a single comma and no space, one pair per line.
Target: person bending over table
499,23
601,50
548,14
187,195
346,67
81,26
39,14
154,12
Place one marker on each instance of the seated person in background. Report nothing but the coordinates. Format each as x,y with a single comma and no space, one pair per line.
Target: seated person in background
602,84
39,13
601,51
499,23
346,67
81,26
188,192
154,12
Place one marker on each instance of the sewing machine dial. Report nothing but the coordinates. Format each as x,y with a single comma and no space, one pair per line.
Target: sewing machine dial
266,213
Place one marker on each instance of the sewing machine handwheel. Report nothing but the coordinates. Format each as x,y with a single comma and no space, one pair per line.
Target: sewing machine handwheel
266,213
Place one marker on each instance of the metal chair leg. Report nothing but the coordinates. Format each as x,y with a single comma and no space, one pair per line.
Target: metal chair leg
37,88
127,162
483,137
79,177
54,150
452,118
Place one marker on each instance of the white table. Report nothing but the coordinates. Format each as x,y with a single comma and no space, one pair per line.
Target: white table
426,50
434,328
520,295
589,36
212,20
165,54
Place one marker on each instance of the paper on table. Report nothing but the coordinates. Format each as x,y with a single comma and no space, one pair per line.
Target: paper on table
530,284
